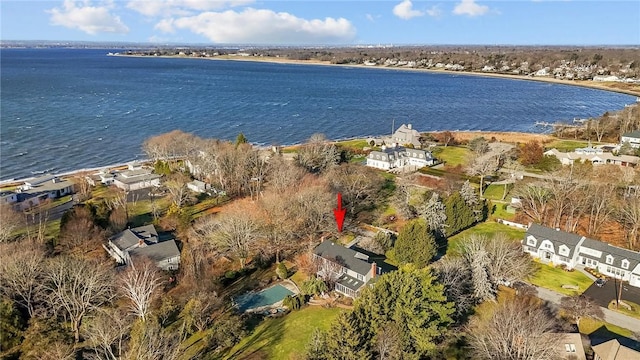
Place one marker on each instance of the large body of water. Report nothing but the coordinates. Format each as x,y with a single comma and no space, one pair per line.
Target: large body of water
65,109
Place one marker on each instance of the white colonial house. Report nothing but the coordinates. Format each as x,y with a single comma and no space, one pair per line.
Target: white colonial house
563,248
350,268
396,157
633,138
144,242
595,156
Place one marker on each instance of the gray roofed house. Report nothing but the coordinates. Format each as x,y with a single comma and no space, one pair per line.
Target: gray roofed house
350,269
144,241
165,254
563,248
633,138
396,157
136,178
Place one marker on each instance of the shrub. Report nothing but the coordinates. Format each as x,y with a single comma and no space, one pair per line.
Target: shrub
294,302
314,286
281,271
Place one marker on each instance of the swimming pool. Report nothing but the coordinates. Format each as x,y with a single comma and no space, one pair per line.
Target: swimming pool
262,298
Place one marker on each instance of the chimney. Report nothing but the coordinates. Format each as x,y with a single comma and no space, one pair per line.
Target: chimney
141,243
409,126
374,270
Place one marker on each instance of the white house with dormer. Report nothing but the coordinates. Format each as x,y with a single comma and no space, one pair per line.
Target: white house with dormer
633,138
563,248
397,157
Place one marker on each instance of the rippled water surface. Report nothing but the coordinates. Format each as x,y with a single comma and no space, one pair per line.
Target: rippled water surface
65,109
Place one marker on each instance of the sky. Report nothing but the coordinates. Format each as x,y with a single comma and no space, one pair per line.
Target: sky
325,22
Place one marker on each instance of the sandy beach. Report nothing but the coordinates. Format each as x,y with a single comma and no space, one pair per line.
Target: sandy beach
633,89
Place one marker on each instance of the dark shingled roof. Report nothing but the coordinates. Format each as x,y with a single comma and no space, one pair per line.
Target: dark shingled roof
130,237
158,252
618,254
349,258
555,236
350,282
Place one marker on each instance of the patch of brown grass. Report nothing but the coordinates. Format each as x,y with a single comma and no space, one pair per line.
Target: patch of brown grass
508,137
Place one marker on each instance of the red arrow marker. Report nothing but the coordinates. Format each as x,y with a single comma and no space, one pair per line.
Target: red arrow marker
339,213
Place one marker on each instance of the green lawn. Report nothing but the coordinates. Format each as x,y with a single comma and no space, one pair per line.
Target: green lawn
453,155
634,312
566,145
284,337
353,143
590,326
488,228
495,192
499,211
553,278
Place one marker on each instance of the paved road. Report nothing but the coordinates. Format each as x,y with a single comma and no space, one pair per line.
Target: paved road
610,316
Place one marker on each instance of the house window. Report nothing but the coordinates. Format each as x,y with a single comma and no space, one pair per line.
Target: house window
421,156
615,271
625,264
609,259
571,348
360,277
565,259
548,246
531,241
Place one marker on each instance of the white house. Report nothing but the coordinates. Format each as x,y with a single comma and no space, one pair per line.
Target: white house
144,242
136,178
403,135
396,157
593,155
633,138
563,248
351,269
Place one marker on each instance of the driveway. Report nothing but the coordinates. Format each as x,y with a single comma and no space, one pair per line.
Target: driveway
603,295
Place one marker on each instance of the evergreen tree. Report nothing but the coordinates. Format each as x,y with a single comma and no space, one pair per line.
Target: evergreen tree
433,212
349,337
241,139
415,244
459,214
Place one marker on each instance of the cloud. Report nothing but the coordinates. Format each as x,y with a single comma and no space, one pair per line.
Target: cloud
434,11
152,8
90,19
260,26
405,10
470,8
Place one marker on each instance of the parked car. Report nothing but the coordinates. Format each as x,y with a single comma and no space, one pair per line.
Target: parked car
600,282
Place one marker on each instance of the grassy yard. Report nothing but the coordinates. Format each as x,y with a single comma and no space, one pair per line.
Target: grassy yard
589,326
553,278
499,211
495,192
566,145
284,337
453,155
353,143
634,312
488,228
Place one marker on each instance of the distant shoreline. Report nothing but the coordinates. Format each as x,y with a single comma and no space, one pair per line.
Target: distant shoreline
580,83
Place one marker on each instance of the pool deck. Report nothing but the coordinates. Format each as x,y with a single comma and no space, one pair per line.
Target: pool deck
287,284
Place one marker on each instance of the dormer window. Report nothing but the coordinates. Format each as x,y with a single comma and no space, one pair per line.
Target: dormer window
609,259
625,264
531,241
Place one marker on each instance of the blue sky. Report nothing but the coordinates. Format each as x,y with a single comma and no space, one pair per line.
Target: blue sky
324,22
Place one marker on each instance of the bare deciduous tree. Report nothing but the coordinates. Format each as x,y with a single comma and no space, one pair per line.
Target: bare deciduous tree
318,154
600,205
580,306
140,283
482,166
360,186
234,230
388,342
22,272
434,213
151,342
279,223
176,185
534,201
517,330
76,287
10,221
78,229
455,274
106,334
629,215
283,174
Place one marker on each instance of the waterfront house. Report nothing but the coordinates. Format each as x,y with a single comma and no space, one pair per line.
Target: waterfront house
351,269
38,190
135,178
593,155
404,135
633,138
571,250
144,241
397,157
